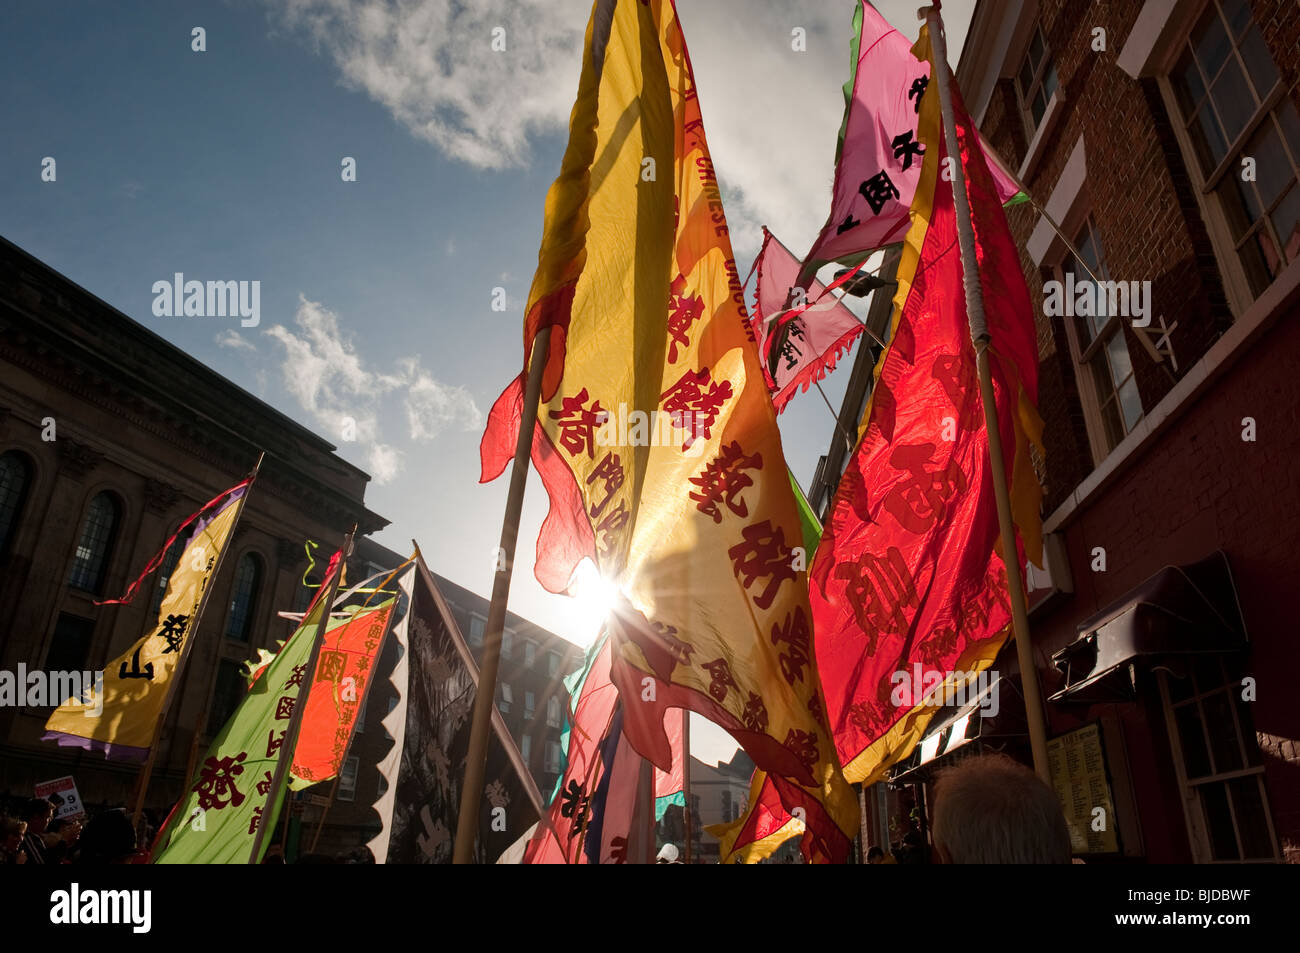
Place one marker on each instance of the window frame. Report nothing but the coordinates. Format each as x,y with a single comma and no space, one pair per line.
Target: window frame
27,470
1025,97
1236,284
246,635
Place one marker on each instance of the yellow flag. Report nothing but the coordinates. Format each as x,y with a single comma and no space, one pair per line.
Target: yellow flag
120,716
656,436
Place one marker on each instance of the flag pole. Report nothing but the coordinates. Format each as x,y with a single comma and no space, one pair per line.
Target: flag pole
485,697
285,761
980,338
147,775
686,778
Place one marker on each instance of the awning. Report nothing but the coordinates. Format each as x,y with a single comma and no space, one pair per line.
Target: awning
1180,612
954,727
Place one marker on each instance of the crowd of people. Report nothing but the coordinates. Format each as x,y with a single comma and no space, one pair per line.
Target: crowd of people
30,834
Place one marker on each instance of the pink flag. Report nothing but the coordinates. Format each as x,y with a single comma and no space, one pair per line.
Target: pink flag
813,340
879,158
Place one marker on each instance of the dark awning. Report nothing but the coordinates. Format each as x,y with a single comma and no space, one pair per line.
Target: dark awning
1179,612
955,726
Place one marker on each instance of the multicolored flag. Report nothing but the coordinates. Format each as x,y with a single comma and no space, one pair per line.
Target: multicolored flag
436,679
337,693
760,830
590,747
908,579
815,339
656,438
217,819
879,155
136,683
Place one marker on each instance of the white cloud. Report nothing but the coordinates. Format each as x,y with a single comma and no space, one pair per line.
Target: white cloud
324,372
234,340
772,114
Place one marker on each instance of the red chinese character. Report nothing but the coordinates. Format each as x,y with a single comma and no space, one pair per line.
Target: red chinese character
273,743
879,589
296,677
284,707
794,633
683,311
611,471
923,500
957,378
694,403
577,423
723,479
329,668
803,745
763,553
611,524
755,714
722,680
216,788
264,785
815,707
255,820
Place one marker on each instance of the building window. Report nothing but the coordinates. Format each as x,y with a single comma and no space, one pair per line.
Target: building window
530,652
1219,765
1101,351
15,477
553,711
348,780
552,662
1234,108
552,764
526,748
226,694
507,643
1036,81
530,705
170,559
507,697
70,647
96,540
248,579
476,626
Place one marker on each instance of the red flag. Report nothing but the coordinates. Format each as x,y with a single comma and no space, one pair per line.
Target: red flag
908,572
816,337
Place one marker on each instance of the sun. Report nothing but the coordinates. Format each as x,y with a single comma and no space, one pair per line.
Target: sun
593,598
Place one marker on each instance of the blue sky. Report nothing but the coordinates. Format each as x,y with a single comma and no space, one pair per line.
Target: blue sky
376,294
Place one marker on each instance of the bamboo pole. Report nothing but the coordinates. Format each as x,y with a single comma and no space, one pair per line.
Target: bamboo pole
980,338
285,760
190,639
471,792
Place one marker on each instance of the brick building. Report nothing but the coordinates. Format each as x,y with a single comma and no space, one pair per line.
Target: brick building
1164,138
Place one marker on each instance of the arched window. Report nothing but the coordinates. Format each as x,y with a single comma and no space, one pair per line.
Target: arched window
96,540
165,571
248,579
15,477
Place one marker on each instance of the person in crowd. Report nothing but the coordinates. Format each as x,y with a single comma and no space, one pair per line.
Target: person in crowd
668,854
877,855
12,832
108,838
38,814
993,810
60,839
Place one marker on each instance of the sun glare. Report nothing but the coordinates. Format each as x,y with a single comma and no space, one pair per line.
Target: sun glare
593,598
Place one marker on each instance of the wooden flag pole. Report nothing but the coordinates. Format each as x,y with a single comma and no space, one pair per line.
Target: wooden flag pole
471,792
980,338
285,760
686,779
191,636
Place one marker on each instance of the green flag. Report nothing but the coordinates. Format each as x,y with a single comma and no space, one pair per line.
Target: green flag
217,818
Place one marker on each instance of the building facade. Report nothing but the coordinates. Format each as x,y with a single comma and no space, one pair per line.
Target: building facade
1163,138
109,438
